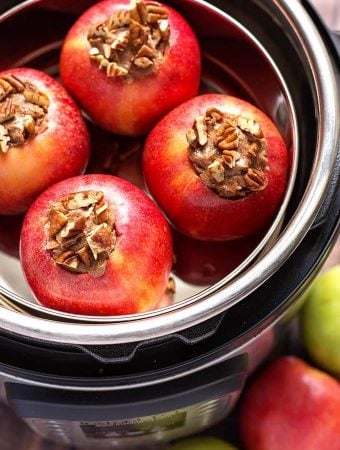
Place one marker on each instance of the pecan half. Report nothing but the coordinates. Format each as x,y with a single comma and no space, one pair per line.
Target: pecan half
80,232
131,43
229,153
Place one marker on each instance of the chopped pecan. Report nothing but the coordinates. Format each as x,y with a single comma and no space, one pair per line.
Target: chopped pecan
37,98
4,139
99,240
201,130
156,12
85,256
15,131
249,125
7,110
216,170
29,124
230,157
107,51
81,199
68,261
138,35
5,88
121,41
146,51
164,29
171,286
142,62
255,180
17,84
191,137
226,137
119,19
138,12
115,70
94,51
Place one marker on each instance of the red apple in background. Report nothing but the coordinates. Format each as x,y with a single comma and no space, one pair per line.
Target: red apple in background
217,166
204,263
128,64
96,245
43,138
291,405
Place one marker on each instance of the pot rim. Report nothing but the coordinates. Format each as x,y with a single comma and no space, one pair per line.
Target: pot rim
183,315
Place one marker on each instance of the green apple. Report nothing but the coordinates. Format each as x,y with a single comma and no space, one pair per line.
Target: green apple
202,443
320,321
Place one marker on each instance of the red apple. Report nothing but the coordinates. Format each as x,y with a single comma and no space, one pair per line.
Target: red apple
43,138
217,166
290,406
112,256
204,263
130,64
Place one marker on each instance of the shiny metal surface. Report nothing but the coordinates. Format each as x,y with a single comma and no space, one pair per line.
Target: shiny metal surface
219,298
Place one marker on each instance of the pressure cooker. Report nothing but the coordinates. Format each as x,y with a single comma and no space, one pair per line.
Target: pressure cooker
144,379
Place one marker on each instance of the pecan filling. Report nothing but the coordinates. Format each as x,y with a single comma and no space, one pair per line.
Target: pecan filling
81,232
23,111
131,43
229,153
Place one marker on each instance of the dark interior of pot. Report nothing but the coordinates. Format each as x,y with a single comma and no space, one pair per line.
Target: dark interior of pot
231,64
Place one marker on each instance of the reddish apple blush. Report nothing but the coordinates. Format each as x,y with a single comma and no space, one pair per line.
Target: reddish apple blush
43,138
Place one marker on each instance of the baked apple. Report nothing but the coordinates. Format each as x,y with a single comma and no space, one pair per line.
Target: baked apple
129,63
217,166
43,138
96,245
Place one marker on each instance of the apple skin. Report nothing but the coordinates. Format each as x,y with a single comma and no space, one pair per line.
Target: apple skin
59,152
320,321
291,405
193,208
137,271
120,106
202,443
204,263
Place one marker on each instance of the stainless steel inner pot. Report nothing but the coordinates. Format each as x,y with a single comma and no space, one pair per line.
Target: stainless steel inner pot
234,60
